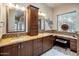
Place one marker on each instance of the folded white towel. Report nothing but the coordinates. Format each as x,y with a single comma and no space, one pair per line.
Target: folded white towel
62,41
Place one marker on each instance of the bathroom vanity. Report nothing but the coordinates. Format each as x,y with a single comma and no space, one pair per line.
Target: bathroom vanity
26,45
31,42
32,45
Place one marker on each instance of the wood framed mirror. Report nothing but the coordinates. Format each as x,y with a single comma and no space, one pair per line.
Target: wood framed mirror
16,20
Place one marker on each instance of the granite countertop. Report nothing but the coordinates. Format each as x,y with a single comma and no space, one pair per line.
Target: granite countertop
65,36
14,40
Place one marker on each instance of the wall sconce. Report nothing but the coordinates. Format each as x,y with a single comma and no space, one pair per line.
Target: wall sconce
20,8
10,5
23,9
42,14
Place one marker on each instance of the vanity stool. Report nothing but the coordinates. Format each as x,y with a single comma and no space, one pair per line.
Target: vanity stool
63,41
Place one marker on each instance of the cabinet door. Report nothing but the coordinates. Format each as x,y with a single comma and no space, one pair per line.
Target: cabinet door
52,40
47,43
9,50
37,47
73,45
26,49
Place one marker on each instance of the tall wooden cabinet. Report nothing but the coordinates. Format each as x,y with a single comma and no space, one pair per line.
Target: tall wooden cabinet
32,20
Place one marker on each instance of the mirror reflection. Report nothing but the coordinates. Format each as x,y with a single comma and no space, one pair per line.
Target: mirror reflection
44,23
16,20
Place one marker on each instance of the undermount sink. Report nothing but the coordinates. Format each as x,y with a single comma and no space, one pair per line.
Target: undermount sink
17,39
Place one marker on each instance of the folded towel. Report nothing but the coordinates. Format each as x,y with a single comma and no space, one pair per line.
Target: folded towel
62,41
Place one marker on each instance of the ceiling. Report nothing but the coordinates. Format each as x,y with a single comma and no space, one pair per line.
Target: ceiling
52,5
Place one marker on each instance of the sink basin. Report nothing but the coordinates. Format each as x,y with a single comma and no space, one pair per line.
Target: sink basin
20,39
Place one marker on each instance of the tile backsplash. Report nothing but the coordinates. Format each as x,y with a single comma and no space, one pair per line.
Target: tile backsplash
8,35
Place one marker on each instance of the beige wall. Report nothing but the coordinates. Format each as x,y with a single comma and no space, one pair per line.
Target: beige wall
64,8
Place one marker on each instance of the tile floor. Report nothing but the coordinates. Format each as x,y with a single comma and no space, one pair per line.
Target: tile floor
59,51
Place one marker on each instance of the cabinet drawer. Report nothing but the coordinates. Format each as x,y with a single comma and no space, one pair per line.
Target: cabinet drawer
73,40
74,49
73,44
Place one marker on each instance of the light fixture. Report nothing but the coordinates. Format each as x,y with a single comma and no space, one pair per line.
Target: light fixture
23,9
41,14
17,7
20,8
10,5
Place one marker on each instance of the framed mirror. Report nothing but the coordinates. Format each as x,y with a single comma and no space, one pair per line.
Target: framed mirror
16,20
44,23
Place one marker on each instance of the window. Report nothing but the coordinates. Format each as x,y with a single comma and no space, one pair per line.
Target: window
67,18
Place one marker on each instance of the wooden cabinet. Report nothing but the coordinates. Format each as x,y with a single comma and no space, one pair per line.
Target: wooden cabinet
25,49
10,50
32,20
28,48
47,43
37,47
42,45
22,49
73,45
